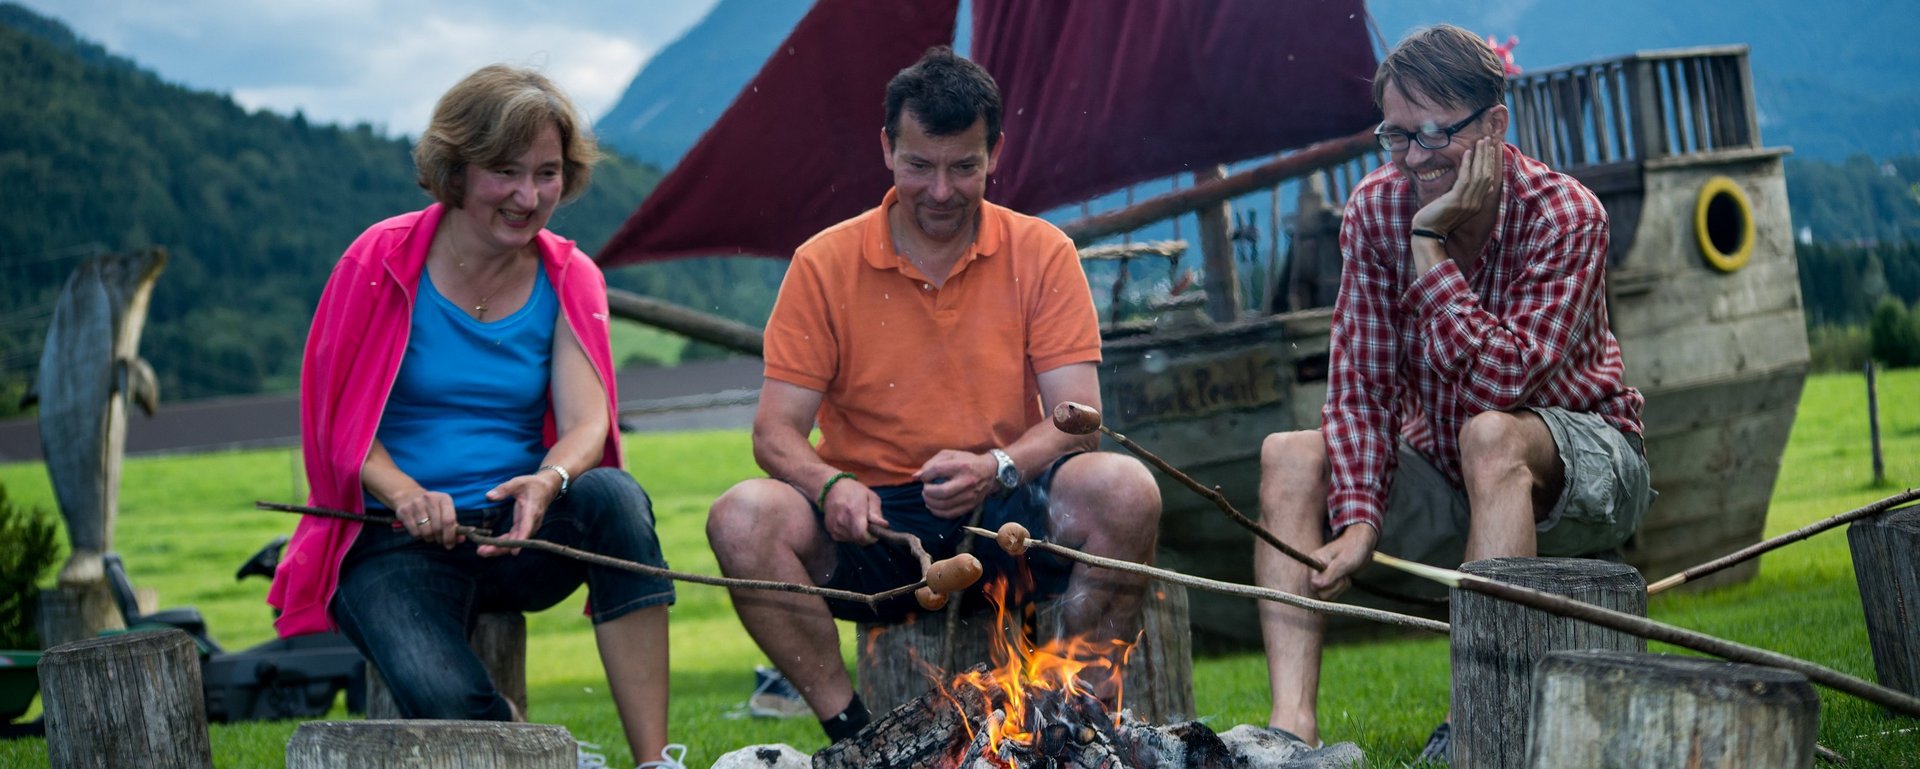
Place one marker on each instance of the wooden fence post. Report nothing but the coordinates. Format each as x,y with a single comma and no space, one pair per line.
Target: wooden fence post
428,744
1886,561
500,638
1495,645
133,699
1873,423
1611,709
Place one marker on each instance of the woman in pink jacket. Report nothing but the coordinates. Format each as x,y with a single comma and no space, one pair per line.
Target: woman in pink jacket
458,373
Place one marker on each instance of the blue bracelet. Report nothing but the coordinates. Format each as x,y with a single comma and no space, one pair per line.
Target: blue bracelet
837,477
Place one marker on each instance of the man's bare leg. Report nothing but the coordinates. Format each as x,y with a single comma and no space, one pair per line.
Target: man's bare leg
1293,498
1108,505
1513,477
764,529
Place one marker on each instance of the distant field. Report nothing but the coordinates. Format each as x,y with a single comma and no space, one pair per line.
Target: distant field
188,522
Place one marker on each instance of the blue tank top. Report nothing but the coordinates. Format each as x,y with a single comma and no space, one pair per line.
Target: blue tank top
468,406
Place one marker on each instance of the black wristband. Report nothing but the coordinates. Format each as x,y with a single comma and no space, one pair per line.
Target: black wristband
1422,232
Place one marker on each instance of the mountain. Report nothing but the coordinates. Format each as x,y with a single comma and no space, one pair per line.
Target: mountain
100,155
686,86
1832,79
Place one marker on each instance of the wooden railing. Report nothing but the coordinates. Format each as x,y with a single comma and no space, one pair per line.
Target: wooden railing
1636,108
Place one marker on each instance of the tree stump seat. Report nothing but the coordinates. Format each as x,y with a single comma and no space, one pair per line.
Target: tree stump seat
430,744
895,662
132,699
1886,562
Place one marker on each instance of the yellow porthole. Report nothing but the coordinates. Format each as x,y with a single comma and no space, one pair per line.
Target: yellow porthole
1723,223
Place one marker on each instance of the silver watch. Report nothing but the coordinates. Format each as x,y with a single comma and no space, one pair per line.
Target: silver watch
1006,473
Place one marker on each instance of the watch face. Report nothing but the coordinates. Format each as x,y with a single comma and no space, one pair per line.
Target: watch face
1009,476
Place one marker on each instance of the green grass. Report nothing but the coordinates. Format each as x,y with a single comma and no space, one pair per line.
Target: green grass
645,344
188,522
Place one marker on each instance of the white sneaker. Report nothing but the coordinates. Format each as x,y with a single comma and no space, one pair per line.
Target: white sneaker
588,756
670,758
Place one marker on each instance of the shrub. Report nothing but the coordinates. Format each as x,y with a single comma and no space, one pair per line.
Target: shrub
1837,348
29,548
1893,335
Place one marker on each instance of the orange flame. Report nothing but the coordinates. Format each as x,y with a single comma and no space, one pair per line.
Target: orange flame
1022,673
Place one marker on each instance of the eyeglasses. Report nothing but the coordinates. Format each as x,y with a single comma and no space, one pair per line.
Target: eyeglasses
1431,137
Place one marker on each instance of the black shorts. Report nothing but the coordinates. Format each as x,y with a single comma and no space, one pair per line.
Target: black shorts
882,566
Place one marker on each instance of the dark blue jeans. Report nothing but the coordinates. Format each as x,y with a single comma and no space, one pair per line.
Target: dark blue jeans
408,605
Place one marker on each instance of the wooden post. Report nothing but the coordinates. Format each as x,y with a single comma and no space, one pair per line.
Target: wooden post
1873,424
1609,709
894,662
1495,645
1216,251
425,744
500,638
1886,561
133,699
71,613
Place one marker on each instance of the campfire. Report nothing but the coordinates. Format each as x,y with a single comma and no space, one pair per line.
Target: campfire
1046,706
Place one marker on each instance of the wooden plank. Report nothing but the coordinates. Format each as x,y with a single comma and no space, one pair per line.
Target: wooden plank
1619,97
1701,114
1643,87
1612,708
1749,114
1216,250
1572,122
1601,105
1495,644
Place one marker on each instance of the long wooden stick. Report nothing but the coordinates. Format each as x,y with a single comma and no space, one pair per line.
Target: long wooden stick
477,535
1081,419
1229,588
1659,631
1788,538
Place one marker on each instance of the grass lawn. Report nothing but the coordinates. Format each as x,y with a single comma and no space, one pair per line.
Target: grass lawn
188,522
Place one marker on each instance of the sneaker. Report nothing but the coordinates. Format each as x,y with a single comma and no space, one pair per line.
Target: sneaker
1439,749
588,756
670,758
774,696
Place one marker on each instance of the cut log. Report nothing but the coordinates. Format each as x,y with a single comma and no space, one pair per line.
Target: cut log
132,699
1496,644
895,662
1608,709
71,613
500,638
1886,561
425,744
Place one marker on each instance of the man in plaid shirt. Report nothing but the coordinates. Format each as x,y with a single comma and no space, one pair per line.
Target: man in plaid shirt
1475,407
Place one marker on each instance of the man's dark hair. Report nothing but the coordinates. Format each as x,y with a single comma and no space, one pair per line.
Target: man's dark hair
1445,64
946,93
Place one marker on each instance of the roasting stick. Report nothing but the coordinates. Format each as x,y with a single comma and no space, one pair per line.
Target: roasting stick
947,576
1081,419
1013,539
1788,538
1659,631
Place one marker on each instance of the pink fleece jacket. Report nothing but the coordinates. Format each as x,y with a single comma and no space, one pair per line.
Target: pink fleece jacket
354,349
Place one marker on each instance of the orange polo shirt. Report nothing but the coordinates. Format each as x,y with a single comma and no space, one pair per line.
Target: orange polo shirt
908,368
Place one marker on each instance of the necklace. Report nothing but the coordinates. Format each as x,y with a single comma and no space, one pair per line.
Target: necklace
480,307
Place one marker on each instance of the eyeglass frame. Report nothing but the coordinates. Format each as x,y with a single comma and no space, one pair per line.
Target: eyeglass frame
1384,136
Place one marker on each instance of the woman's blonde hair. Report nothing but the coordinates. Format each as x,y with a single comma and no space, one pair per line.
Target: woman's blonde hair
493,116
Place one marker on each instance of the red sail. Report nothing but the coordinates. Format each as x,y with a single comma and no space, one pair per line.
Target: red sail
1099,94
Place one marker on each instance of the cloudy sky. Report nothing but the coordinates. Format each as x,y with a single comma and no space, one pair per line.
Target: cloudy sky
379,61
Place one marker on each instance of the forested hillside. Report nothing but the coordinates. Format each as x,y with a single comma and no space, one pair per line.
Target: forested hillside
100,155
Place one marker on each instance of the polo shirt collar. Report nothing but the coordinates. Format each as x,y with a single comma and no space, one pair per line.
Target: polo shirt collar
880,254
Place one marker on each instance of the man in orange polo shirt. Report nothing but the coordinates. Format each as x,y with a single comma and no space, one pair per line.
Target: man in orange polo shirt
929,336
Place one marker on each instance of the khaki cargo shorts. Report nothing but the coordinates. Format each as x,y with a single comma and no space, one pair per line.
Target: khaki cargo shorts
1606,493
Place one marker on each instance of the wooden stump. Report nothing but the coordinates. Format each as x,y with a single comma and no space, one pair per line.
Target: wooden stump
1607,709
427,744
71,613
1495,645
1886,561
500,638
125,700
894,662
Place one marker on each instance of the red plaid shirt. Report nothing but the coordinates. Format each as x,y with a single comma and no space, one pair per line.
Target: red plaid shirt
1419,357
